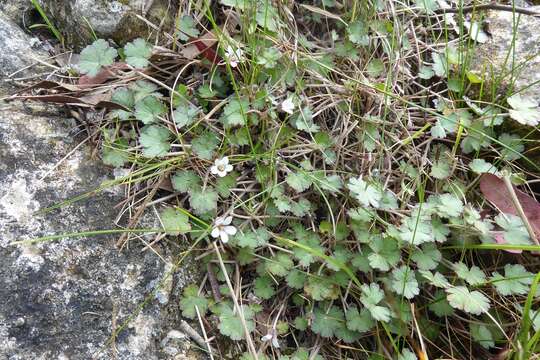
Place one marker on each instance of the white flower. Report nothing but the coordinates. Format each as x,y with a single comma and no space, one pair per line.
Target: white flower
287,105
221,167
234,56
223,228
271,336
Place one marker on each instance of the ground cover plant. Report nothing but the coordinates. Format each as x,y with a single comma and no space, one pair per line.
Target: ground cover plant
351,187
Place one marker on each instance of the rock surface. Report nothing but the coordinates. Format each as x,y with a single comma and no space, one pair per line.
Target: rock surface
498,55
109,19
19,51
16,10
515,60
64,299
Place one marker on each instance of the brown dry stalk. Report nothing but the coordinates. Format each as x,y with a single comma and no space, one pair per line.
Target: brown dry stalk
135,219
519,209
239,310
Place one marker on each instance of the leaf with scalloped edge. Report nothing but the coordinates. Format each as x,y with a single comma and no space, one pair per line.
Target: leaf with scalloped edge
175,222
155,140
524,110
191,300
473,302
149,109
95,56
137,53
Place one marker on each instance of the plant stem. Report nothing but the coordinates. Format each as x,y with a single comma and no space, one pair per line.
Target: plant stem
251,346
519,209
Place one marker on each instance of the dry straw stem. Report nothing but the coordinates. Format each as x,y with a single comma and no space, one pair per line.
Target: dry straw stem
250,344
135,219
206,340
194,335
519,209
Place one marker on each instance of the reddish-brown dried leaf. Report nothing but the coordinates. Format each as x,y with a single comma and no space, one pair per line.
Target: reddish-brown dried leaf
103,76
55,98
166,184
207,51
101,101
496,192
109,105
203,45
50,85
190,52
96,97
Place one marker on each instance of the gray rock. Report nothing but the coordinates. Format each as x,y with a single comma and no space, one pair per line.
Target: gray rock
20,11
19,51
16,10
116,20
64,299
512,59
498,56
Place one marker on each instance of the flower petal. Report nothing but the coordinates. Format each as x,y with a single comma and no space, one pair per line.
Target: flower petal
224,160
224,237
222,173
227,220
287,106
228,168
219,221
215,232
231,230
214,169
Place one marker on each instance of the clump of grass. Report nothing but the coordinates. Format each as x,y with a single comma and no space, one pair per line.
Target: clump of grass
329,157
48,22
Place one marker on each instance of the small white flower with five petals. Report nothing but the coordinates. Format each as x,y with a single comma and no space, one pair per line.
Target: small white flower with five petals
234,56
221,167
288,106
223,228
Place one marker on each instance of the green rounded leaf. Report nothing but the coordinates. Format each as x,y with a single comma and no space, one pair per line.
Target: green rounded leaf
175,222
155,140
149,109
137,53
95,56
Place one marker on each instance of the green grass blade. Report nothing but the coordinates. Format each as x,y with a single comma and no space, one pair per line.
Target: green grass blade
49,23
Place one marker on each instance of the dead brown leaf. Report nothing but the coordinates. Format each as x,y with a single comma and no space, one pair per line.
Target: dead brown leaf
496,192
